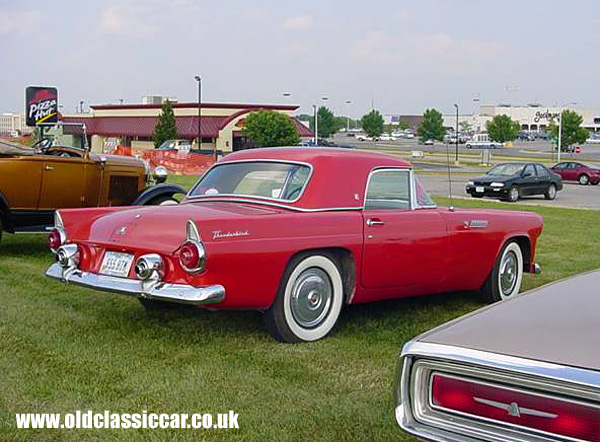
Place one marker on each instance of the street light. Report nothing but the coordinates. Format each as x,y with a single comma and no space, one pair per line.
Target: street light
456,133
560,112
348,103
81,107
316,123
199,80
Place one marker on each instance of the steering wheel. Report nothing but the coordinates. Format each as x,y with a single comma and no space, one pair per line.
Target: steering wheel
294,193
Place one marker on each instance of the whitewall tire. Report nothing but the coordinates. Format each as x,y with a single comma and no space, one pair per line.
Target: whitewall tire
504,281
309,299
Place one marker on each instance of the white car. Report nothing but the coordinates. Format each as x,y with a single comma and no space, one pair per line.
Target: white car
483,144
364,137
387,137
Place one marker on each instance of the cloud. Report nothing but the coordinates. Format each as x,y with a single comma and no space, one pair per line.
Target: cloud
19,22
298,22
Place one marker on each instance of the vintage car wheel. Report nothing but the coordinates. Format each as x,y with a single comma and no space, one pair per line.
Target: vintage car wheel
550,192
514,194
309,299
163,200
506,276
584,180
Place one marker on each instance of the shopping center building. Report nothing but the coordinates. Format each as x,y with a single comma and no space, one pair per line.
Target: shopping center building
132,125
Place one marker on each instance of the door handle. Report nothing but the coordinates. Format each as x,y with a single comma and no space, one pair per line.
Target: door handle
374,222
49,168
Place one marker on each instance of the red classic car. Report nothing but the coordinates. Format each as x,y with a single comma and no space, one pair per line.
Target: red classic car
297,233
573,171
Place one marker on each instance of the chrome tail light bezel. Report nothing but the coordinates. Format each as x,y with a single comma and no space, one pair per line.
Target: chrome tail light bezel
193,239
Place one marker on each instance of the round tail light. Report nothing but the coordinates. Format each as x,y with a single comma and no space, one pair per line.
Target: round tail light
192,256
56,238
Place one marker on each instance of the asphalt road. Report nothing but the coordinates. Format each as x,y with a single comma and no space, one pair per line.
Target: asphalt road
538,150
573,195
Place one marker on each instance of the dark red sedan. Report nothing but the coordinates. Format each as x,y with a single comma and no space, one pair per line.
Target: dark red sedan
583,173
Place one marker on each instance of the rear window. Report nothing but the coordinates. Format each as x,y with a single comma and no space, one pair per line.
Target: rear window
259,179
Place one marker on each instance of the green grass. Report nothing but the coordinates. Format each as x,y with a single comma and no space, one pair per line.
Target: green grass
65,348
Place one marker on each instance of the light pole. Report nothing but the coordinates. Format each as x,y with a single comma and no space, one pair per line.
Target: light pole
316,123
199,80
456,133
81,107
560,112
348,103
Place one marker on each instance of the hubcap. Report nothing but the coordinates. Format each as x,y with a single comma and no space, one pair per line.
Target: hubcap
508,273
552,191
514,193
583,179
311,297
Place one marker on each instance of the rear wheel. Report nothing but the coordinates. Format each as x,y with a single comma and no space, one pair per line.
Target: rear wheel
506,276
584,180
550,192
514,194
309,299
595,183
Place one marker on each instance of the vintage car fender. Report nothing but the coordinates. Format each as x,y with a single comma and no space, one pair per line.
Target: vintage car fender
159,190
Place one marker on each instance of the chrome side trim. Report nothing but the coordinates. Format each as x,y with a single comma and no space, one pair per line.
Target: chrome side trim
223,163
212,199
177,293
418,358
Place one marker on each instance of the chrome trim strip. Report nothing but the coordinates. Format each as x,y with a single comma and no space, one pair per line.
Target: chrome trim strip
544,376
219,164
177,293
213,199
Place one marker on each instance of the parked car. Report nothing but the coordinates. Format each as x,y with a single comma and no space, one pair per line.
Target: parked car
363,137
296,233
34,182
176,145
573,171
527,369
387,137
511,181
482,144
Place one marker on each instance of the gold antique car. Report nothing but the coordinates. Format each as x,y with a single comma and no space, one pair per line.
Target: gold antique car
36,181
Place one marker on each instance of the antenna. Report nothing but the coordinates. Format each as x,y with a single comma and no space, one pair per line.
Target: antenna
449,177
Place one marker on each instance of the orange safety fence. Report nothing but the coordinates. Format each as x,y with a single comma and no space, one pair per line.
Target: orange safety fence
179,162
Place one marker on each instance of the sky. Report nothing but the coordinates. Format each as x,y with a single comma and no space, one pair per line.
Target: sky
398,56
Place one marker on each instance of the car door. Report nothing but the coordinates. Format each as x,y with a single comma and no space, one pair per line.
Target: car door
528,182
544,180
561,169
403,246
63,180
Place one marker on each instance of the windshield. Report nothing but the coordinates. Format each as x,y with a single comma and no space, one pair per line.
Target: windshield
260,179
507,169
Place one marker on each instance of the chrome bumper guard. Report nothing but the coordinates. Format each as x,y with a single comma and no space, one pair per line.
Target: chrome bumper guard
177,293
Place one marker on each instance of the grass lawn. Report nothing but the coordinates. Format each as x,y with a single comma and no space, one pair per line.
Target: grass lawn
65,348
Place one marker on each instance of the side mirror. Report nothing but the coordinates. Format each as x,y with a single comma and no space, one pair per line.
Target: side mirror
160,174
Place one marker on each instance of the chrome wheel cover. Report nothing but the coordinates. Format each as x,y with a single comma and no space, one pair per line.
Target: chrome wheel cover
552,192
514,194
311,297
509,272
583,179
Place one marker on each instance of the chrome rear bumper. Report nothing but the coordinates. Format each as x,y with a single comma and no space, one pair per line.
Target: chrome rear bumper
177,293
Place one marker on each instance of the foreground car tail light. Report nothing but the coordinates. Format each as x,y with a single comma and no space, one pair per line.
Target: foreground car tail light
56,238
513,407
192,256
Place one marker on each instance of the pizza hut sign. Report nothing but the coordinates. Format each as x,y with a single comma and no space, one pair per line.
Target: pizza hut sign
41,105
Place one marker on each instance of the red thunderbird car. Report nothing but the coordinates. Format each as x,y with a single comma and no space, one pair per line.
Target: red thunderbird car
296,233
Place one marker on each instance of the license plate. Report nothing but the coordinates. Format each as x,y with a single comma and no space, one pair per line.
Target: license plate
479,189
116,264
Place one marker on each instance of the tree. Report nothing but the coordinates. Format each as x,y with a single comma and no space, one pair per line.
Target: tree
269,128
326,122
403,125
165,128
432,126
372,123
571,132
502,128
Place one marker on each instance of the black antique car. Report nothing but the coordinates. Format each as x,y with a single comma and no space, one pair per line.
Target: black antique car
511,181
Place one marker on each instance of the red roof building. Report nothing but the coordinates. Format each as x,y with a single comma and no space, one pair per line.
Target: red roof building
132,125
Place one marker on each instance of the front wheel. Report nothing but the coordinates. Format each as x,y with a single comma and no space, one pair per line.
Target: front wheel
506,276
309,299
584,180
550,192
514,194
